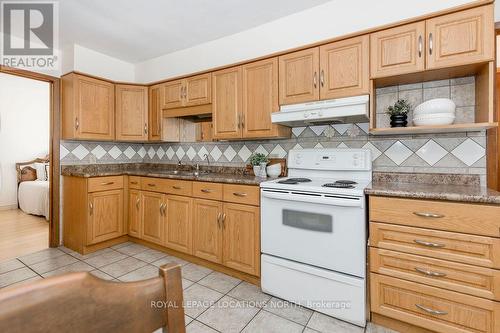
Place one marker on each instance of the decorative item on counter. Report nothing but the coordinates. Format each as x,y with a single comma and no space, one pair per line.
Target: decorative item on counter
274,170
399,113
282,162
437,111
259,162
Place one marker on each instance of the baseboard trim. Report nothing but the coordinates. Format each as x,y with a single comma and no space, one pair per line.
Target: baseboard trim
8,207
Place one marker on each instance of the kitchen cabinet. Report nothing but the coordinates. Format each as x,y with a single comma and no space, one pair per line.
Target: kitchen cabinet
204,131
88,111
344,68
155,113
131,113
105,216
191,91
178,233
134,213
207,231
153,217
227,103
241,243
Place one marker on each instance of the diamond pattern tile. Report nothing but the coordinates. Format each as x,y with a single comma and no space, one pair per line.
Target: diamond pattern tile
216,153
80,152
115,152
297,131
375,152
160,153
468,152
180,153
244,153
142,152
151,152
170,153
342,145
63,152
398,152
341,128
261,150
278,152
202,152
318,129
129,152
229,153
191,153
431,152
319,145
98,152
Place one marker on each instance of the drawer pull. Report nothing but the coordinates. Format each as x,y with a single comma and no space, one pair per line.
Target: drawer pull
423,214
429,273
177,187
206,190
431,311
239,194
133,183
152,185
429,244
107,183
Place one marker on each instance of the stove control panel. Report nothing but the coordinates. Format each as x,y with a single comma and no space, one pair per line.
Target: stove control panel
330,159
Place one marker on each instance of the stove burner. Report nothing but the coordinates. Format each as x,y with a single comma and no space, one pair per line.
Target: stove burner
341,184
351,182
293,181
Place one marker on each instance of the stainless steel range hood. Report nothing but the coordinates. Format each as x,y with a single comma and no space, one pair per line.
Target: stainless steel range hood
340,110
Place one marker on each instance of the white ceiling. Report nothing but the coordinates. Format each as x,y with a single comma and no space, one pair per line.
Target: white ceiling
135,30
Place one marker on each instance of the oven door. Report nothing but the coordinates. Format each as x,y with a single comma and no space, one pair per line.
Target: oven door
327,231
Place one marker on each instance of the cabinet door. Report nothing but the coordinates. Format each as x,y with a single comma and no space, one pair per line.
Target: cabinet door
173,93
207,231
260,98
95,112
198,90
153,217
461,38
227,103
134,213
204,131
398,50
105,216
155,114
178,234
241,241
345,68
131,113
298,77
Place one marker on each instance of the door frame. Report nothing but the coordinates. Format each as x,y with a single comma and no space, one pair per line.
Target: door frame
54,142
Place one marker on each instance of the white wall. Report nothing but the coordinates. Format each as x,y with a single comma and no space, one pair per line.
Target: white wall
24,128
331,19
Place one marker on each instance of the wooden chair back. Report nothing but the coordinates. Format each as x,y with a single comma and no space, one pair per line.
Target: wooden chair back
81,302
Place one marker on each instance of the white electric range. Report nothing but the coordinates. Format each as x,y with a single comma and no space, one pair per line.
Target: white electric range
313,232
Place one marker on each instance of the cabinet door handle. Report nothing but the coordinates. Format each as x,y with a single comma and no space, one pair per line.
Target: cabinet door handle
429,273
137,203
145,128
219,215
223,220
431,311
242,121
315,80
420,46
239,194
426,214
428,244
176,187
77,123
162,209
152,185
107,183
206,190
239,120
430,43
133,183
322,78
91,208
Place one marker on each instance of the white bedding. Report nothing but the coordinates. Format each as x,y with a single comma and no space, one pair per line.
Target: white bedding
34,197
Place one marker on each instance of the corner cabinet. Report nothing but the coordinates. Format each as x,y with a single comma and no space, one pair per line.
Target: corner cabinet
131,113
192,91
88,111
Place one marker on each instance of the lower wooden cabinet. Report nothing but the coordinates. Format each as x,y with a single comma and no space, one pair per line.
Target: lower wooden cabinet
178,233
153,217
207,232
105,216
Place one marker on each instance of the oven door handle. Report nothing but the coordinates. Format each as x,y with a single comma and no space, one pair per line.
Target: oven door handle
330,200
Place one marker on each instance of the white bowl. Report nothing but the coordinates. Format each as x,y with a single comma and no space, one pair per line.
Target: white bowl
434,119
274,170
435,106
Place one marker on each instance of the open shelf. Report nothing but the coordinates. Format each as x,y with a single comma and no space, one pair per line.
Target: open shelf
433,129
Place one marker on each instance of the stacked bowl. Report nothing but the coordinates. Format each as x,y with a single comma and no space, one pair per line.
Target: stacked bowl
437,111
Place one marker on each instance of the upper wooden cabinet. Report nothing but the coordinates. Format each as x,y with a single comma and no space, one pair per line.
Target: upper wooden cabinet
227,103
194,90
398,50
299,76
461,38
131,113
155,114
344,68
87,108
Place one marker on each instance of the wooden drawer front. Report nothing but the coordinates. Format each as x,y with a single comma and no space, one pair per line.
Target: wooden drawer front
457,217
180,187
154,184
414,303
207,190
472,280
469,249
105,183
245,194
134,182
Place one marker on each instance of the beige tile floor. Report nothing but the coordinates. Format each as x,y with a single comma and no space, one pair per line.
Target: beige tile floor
215,302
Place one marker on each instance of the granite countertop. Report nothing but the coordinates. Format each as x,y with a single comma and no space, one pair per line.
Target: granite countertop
231,175
433,187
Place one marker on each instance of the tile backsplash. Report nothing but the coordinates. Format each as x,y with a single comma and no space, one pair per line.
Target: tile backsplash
453,153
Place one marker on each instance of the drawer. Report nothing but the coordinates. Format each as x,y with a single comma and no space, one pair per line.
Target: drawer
244,194
207,190
458,217
104,183
469,249
433,308
154,184
134,182
467,279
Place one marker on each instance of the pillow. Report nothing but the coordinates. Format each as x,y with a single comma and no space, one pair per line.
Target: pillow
47,171
40,171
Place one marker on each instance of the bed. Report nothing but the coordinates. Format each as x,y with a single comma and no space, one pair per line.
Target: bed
33,190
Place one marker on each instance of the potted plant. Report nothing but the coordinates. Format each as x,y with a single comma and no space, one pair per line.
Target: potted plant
399,113
259,162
